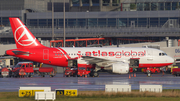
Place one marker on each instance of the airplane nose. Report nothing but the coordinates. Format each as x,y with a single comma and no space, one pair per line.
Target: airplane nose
171,60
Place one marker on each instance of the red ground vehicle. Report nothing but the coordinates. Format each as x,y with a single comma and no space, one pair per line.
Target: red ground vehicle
152,70
84,70
71,72
23,69
26,69
176,71
47,71
81,70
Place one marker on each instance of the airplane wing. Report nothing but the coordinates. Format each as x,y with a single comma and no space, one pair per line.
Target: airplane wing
20,53
73,58
98,61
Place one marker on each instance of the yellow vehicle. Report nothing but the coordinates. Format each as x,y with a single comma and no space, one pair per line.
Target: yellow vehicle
173,67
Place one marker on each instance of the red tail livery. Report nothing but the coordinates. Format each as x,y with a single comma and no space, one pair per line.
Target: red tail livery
22,36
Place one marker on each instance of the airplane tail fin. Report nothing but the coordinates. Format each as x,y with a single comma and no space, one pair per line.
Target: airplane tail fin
22,36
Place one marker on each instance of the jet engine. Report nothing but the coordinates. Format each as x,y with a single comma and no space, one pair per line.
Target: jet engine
120,68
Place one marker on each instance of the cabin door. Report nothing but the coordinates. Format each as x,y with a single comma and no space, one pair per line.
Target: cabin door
150,55
46,54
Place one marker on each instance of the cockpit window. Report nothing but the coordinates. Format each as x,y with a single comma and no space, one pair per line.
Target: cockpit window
159,54
162,54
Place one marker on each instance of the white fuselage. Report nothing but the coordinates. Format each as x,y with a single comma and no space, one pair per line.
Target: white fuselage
147,56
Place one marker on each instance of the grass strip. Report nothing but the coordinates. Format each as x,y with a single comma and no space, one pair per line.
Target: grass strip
166,95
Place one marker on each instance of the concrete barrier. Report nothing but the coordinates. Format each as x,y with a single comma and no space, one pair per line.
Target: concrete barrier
117,88
150,88
45,96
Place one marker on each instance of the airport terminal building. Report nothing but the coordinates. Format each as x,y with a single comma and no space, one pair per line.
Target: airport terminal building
130,19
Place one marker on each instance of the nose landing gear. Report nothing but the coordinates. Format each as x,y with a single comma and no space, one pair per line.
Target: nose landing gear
148,71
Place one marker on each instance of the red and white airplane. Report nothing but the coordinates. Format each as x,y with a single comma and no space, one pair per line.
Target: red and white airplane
118,60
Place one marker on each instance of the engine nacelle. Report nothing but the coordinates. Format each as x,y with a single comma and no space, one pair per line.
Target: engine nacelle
120,68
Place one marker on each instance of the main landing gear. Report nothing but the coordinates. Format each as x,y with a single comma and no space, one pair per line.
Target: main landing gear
94,74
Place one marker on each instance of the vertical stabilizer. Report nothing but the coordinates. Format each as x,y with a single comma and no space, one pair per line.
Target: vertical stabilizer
22,36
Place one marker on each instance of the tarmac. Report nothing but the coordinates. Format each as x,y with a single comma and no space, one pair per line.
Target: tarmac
168,81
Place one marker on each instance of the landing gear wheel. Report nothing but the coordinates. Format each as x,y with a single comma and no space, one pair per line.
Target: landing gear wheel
95,74
148,74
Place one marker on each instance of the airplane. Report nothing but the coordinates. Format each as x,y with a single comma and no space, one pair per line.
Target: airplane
118,60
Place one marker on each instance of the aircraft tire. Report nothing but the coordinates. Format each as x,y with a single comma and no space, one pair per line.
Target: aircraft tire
95,74
148,74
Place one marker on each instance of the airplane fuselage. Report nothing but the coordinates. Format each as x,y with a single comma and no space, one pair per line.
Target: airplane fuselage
59,56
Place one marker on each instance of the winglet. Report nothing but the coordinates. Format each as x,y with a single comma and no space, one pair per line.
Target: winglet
22,36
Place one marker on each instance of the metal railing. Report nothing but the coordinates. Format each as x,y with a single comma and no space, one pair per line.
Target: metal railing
105,31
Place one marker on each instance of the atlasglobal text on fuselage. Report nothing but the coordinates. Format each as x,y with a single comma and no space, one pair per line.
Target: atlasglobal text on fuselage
116,54
115,59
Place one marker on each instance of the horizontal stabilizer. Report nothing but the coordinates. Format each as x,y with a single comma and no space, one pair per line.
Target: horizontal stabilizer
20,52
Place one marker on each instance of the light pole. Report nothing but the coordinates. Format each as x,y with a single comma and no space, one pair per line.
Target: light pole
64,26
52,19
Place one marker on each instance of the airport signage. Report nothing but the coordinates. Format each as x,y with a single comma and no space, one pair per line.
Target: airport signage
66,92
28,93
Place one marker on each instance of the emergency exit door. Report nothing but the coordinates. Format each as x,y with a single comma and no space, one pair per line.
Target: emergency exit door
45,54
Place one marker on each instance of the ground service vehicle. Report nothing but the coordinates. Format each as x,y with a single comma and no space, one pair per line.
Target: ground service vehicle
26,69
71,72
81,70
46,71
176,71
22,69
118,60
85,70
151,70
